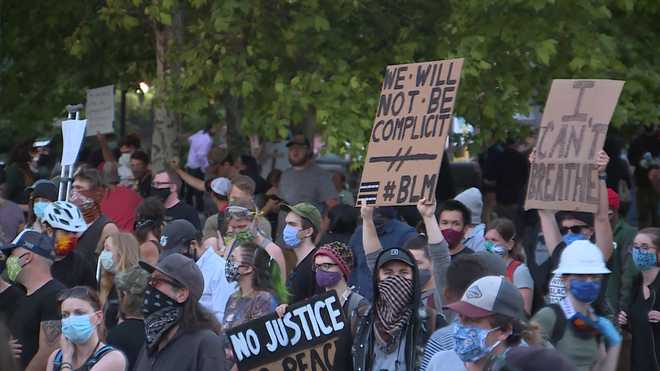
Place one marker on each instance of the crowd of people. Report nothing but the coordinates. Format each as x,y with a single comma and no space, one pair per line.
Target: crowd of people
146,267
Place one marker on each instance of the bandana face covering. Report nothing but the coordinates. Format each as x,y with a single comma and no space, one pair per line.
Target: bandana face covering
393,310
160,314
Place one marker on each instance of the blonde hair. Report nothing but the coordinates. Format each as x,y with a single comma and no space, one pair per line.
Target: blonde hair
128,252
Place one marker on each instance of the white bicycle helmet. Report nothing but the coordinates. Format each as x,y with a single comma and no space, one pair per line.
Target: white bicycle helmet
64,215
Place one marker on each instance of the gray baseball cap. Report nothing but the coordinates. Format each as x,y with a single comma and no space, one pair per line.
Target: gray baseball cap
181,269
490,295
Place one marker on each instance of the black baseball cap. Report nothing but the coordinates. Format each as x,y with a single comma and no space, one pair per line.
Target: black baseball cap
43,188
299,140
33,241
397,254
176,236
181,269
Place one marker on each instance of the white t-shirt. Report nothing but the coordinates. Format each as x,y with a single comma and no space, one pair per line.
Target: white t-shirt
446,360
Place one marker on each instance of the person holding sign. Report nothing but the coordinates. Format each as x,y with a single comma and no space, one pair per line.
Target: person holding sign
389,336
332,267
576,226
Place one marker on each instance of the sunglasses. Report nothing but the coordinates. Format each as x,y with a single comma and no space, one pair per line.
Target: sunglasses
143,223
574,229
324,267
239,212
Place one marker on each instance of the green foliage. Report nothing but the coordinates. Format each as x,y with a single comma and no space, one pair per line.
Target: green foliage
272,64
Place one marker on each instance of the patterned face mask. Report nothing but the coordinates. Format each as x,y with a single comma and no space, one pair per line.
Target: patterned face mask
231,271
393,309
470,342
160,314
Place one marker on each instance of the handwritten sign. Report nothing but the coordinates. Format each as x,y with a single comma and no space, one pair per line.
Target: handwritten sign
412,122
573,129
304,338
100,110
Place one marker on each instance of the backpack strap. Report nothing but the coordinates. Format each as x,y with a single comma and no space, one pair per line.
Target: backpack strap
560,324
511,268
57,361
96,357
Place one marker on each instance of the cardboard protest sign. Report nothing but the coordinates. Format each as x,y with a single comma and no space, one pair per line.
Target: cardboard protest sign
303,339
410,130
575,121
100,110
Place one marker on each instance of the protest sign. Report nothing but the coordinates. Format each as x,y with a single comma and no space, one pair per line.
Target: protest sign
73,132
303,339
575,120
100,110
410,130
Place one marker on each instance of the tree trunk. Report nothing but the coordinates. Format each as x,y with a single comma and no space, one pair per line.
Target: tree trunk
165,144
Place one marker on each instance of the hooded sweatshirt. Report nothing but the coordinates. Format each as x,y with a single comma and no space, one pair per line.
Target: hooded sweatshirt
367,349
472,199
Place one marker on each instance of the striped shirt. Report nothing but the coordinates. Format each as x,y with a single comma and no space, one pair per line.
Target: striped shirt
441,339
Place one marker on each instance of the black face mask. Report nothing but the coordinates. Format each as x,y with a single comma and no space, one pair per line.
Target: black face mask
160,193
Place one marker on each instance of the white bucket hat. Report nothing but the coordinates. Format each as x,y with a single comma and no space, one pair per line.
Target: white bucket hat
582,257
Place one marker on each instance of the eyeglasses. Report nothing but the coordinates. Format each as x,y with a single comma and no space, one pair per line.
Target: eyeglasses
644,248
574,229
155,281
324,266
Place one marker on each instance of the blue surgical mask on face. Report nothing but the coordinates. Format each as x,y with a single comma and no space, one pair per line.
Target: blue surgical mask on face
644,260
39,208
571,237
77,329
585,291
290,236
470,342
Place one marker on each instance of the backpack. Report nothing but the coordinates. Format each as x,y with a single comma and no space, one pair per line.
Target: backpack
559,327
91,361
511,268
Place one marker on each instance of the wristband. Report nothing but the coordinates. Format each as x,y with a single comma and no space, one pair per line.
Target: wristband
66,365
602,176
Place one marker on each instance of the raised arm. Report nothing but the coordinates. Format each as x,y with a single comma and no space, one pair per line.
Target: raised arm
438,249
602,226
548,221
370,240
105,150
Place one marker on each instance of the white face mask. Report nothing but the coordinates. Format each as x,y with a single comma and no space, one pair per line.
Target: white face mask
107,261
125,159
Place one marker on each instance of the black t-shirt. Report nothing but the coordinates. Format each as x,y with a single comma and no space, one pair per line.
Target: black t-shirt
302,280
128,337
74,270
183,211
8,299
465,251
31,311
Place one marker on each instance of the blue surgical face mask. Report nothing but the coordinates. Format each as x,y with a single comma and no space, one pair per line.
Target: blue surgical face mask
77,329
39,208
107,261
644,260
585,291
470,342
571,237
290,237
